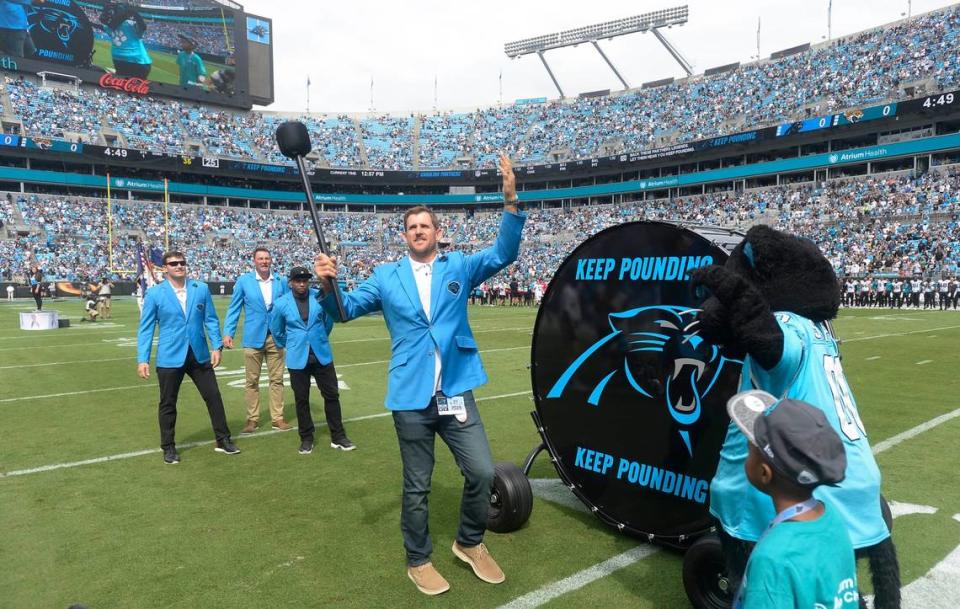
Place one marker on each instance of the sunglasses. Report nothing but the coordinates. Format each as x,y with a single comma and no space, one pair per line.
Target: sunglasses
177,263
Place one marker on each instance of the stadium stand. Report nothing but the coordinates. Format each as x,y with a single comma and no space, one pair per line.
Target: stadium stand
895,224
870,67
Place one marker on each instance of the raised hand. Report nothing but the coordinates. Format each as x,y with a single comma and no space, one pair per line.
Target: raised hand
509,180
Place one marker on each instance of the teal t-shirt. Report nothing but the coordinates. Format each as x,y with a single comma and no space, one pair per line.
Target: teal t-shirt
802,565
128,45
191,68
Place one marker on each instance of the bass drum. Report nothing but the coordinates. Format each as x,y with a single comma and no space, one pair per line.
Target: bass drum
630,401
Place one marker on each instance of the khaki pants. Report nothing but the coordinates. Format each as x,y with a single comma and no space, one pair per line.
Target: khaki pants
253,362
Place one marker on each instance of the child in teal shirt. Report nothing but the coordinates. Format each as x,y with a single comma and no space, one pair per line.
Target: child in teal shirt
193,73
804,559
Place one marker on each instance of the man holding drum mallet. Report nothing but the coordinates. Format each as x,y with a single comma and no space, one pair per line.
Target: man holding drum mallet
434,367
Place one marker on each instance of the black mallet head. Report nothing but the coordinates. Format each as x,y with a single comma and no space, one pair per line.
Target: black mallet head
293,139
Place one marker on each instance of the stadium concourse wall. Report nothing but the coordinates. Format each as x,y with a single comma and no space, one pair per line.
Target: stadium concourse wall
848,157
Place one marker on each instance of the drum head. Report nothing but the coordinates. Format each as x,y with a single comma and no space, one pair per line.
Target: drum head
632,402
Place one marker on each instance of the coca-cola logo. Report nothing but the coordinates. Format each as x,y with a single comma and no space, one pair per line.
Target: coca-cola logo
130,85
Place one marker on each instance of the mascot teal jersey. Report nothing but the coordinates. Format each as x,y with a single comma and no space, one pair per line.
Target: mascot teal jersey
128,44
808,370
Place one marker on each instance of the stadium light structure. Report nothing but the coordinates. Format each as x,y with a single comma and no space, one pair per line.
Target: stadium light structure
648,22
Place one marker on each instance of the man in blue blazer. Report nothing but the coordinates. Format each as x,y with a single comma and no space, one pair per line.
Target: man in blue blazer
301,326
433,370
182,308
254,294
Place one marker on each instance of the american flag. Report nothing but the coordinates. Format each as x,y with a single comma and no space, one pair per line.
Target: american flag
146,275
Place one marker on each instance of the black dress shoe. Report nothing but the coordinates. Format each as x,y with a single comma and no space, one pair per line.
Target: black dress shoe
227,447
343,443
170,456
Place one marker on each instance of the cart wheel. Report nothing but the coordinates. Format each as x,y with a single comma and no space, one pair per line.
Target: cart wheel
511,501
704,575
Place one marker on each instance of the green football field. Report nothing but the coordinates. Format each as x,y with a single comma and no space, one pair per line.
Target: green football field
164,69
91,514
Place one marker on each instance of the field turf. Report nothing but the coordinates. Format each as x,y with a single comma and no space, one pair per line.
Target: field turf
272,529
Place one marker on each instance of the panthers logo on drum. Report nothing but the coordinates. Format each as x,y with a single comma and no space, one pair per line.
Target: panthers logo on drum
60,23
657,350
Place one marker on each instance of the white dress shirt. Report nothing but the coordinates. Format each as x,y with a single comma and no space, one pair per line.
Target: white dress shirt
423,274
181,294
266,288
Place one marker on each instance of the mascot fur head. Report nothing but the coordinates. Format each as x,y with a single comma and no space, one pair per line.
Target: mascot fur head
790,272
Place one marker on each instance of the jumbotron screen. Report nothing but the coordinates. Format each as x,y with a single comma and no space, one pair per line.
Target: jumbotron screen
194,49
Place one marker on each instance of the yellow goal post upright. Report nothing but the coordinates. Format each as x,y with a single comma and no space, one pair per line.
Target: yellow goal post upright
166,224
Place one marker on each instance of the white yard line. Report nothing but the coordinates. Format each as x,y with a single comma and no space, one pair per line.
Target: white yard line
924,362
870,359
892,441
88,391
34,335
78,361
154,451
580,579
225,353
67,393
859,338
938,588
898,509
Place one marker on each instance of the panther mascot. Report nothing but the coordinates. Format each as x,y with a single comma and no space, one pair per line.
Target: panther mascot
771,303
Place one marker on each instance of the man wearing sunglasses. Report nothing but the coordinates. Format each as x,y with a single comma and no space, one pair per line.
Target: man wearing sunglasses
182,308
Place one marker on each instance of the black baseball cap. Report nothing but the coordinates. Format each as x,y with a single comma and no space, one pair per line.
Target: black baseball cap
793,436
299,272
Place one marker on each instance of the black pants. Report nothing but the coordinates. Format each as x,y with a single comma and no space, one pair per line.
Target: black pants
136,70
206,381
326,379
38,298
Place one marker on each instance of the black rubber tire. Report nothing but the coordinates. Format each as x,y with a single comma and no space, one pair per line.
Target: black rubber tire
511,501
704,575
887,514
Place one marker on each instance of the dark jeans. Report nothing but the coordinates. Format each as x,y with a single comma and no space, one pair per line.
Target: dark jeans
17,43
326,378
38,298
468,443
206,381
128,69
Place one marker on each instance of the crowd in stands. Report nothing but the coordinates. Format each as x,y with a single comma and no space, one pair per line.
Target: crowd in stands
894,225
176,3
862,69
163,34
210,38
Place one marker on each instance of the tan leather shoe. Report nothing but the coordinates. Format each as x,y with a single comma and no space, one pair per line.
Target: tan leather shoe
479,559
427,579
281,425
250,427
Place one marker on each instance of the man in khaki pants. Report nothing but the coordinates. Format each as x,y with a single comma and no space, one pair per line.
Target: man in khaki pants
254,293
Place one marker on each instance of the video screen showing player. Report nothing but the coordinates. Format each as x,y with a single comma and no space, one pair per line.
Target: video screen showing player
188,43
